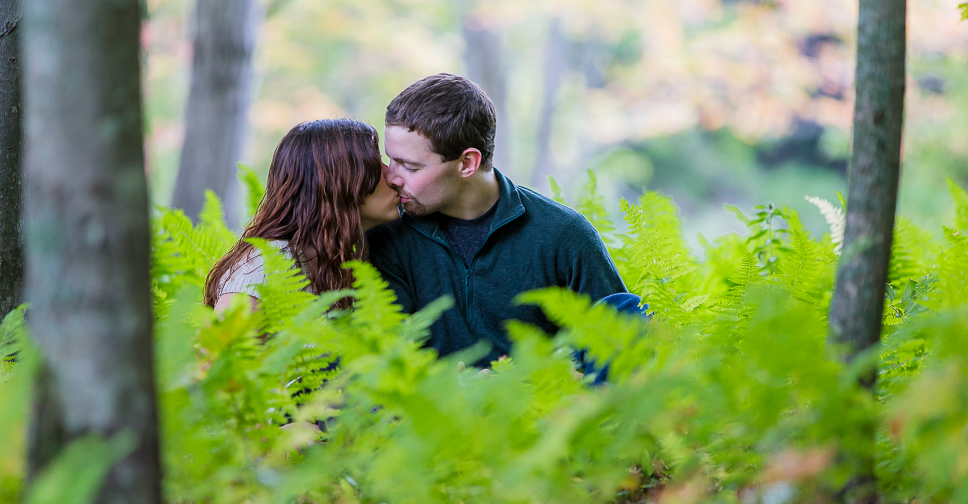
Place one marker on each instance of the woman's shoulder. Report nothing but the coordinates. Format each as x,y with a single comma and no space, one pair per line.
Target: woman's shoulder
250,270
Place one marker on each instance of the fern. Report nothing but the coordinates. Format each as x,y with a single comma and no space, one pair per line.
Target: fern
960,198
728,391
592,206
913,253
800,271
660,257
556,192
12,339
254,188
283,293
835,219
733,305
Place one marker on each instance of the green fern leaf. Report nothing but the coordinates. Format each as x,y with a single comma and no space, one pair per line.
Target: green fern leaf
283,295
592,206
660,257
556,192
835,219
254,188
913,253
960,198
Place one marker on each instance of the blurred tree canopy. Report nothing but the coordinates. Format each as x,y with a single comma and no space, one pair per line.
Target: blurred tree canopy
710,101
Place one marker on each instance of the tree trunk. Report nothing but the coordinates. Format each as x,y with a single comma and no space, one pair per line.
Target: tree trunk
11,149
87,236
555,67
482,54
858,302
216,119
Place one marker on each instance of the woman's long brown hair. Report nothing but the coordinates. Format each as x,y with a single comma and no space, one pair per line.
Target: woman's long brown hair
321,173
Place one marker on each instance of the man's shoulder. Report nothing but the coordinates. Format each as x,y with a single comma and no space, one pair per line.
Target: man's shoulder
548,212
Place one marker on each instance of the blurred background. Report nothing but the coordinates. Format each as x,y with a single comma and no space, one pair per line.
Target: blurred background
709,101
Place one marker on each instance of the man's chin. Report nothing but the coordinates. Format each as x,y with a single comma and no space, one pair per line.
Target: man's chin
414,208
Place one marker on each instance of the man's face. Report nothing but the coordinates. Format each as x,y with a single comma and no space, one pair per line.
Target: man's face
425,182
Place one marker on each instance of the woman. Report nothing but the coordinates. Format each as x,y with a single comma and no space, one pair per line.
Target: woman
325,189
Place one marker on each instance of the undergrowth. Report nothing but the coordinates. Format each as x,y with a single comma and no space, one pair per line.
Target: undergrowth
729,393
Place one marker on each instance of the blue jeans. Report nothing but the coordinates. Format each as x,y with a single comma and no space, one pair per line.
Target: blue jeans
623,302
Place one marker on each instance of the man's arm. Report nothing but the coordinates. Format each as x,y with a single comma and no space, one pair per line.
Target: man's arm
592,270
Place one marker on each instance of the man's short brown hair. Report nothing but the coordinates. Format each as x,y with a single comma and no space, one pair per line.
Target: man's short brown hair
452,112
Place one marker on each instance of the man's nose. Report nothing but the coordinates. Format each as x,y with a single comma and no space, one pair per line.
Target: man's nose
392,177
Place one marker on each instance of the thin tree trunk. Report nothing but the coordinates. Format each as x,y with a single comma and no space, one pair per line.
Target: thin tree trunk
556,64
858,302
11,154
87,246
216,119
485,66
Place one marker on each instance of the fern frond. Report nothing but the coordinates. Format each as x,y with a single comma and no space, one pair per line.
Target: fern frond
660,256
375,306
960,199
953,270
12,338
556,192
733,304
283,294
212,220
592,206
607,335
913,253
255,189
799,271
835,219
191,251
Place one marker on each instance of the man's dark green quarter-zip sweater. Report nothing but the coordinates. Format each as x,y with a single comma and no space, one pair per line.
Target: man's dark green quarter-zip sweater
533,242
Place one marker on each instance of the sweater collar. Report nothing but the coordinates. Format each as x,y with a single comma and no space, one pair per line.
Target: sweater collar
509,207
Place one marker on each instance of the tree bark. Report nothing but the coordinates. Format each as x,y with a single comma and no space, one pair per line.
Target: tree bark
858,302
485,66
555,67
87,237
216,119
11,157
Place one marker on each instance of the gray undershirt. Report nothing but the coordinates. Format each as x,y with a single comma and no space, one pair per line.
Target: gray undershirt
466,237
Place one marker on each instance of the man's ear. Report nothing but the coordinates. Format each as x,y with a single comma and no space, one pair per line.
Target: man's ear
470,161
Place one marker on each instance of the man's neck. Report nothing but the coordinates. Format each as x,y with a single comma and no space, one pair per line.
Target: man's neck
480,192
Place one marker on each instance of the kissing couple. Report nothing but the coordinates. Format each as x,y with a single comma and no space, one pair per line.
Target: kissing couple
437,220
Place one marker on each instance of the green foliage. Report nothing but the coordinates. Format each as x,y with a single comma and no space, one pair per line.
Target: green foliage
728,393
76,475
964,11
255,190
11,340
16,372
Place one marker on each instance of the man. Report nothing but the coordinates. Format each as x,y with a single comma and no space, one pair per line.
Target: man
469,232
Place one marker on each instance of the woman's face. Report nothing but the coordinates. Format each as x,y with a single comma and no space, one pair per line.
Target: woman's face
381,205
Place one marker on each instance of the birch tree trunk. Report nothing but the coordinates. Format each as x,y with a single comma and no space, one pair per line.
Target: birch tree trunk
216,118
87,236
857,307
11,149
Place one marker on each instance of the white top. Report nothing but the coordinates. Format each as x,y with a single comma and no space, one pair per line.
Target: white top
251,272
